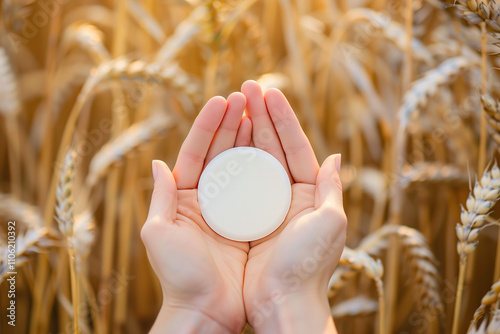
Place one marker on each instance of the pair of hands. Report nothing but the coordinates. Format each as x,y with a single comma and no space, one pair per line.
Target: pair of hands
278,283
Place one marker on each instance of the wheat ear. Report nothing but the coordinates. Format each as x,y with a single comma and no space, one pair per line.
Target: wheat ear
421,258
66,223
492,328
360,261
32,241
490,300
422,89
478,11
472,218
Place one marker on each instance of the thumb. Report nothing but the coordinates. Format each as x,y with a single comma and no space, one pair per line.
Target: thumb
164,198
328,185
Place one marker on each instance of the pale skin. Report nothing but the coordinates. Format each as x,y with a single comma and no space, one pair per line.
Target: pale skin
278,284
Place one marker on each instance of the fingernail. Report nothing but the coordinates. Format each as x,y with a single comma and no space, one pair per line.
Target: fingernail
155,169
338,160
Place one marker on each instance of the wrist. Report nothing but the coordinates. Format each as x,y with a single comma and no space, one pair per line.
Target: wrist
300,312
184,320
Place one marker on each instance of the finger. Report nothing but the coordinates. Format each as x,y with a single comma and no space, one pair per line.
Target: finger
298,151
226,133
194,150
164,198
244,135
264,135
328,185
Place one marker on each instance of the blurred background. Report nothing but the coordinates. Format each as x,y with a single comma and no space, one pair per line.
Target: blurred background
405,90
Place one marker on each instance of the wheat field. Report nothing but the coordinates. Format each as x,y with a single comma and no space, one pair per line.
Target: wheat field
92,91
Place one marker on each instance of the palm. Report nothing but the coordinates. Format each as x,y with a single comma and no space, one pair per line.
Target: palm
270,257
210,264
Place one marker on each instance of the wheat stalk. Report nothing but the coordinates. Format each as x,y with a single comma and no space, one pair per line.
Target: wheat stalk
472,218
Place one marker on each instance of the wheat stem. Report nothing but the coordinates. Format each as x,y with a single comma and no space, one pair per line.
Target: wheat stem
460,291
398,161
74,288
40,315
381,308
483,136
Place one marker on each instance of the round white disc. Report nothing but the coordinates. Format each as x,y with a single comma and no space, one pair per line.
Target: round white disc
244,194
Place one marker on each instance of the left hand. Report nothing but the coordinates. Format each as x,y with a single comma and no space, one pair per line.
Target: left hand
287,272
